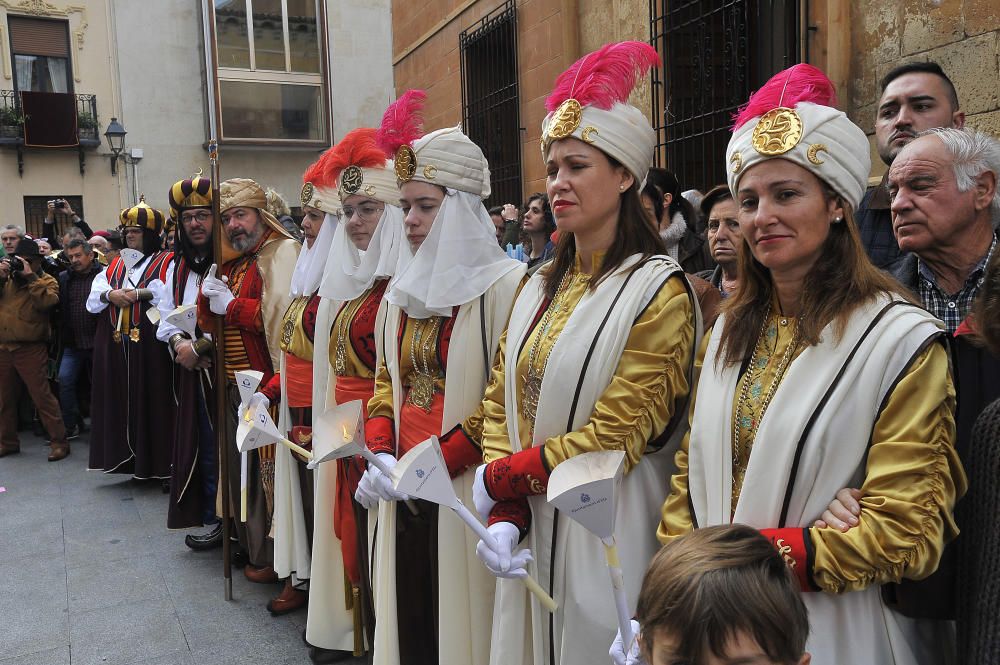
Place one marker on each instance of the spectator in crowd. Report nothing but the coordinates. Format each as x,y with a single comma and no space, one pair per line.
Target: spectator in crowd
676,220
44,247
170,235
977,584
76,328
27,296
496,216
62,208
277,206
9,237
915,97
537,227
115,245
945,200
717,596
724,238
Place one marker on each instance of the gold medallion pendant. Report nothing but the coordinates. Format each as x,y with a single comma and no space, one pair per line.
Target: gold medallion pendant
340,359
532,391
134,334
421,390
117,336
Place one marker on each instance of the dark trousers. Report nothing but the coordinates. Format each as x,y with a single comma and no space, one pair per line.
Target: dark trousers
74,362
29,361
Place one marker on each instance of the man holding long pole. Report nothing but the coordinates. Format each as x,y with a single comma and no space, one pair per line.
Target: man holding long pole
244,302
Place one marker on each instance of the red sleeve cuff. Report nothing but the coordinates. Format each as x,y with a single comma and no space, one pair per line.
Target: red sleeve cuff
795,547
521,474
272,390
379,435
243,313
460,452
515,511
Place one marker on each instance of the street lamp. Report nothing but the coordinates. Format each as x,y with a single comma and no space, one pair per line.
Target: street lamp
115,134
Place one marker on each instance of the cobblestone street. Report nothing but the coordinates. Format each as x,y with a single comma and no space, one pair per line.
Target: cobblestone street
91,576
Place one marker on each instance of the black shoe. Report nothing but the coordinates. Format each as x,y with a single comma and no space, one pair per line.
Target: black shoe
238,557
72,432
320,656
206,541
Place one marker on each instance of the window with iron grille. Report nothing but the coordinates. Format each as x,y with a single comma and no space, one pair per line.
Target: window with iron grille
36,207
715,53
491,109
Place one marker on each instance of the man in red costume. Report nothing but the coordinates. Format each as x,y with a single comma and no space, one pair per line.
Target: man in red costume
252,293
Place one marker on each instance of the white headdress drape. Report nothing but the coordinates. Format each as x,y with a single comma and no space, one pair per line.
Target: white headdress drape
457,262
350,272
308,271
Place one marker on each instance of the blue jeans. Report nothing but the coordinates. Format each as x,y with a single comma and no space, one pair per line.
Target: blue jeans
73,362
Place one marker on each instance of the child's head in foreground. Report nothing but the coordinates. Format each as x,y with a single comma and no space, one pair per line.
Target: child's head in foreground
721,596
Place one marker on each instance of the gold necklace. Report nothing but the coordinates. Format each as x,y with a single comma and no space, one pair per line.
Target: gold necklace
343,332
422,387
755,370
536,371
292,316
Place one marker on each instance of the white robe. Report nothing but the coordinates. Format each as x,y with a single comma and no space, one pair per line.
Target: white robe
329,624
585,623
854,627
465,587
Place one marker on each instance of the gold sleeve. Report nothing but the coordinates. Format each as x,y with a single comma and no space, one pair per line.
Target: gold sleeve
676,518
495,442
381,402
912,480
649,380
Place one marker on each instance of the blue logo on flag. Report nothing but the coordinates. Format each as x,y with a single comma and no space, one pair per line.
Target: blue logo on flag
420,473
585,498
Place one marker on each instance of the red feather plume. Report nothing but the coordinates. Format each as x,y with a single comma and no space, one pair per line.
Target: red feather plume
799,83
605,76
316,174
357,148
402,122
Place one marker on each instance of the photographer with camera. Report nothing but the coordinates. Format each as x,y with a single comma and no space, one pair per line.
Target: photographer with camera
63,208
27,296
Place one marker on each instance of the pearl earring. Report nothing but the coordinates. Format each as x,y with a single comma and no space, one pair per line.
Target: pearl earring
621,188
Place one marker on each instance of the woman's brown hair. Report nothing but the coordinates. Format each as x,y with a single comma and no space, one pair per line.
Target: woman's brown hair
841,280
636,234
710,585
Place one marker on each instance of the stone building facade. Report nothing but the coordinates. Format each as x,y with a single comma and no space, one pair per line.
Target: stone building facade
854,41
292,81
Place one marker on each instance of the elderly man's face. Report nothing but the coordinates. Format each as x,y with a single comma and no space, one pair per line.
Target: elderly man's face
928,210
9,239
98,243
911,104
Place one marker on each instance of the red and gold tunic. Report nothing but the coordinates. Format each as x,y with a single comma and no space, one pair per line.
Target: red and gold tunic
126,323
352,359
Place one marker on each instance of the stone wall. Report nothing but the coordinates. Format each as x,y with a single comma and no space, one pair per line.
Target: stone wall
963,36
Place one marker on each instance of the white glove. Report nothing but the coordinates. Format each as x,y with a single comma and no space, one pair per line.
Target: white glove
366,494
377,483
255,399
159,290
217,291
497,557
484,502
617,650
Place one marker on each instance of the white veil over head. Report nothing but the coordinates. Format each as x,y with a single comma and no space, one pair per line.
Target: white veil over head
456,263
349,271
308,271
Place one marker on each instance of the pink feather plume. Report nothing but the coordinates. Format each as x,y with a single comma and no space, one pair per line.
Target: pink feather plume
799,83
605,76
402,122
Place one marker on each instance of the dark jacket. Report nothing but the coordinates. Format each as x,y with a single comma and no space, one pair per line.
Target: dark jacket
88,321
692,252
875,226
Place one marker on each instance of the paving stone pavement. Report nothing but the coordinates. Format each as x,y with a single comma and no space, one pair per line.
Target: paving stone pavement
90,575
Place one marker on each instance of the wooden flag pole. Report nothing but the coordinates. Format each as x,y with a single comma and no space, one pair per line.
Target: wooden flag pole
220,380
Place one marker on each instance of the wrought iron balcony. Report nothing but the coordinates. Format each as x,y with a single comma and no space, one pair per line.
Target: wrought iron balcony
69,121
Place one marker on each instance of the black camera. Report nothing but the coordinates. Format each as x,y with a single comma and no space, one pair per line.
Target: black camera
16,264
59,204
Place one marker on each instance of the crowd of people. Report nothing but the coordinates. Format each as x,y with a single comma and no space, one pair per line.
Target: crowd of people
800,371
